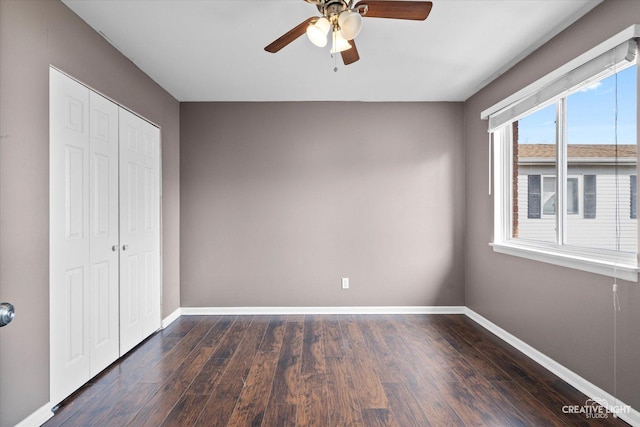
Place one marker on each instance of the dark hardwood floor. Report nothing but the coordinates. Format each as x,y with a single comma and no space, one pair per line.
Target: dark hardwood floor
329,370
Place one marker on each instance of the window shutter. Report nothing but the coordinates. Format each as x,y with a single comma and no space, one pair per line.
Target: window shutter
534,197
633,191
589,210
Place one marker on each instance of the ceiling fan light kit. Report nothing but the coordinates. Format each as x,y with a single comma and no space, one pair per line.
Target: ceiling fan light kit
350,23
340,44
344,20
317,32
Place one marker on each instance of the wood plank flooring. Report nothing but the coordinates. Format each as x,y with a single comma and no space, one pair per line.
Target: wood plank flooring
324,370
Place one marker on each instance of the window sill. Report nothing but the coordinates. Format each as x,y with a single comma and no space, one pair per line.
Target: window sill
622,270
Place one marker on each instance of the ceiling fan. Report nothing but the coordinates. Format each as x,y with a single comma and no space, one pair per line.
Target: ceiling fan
345,22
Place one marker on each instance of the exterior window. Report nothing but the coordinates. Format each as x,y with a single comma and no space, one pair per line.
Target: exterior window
572,196
548,201
549,195
565,172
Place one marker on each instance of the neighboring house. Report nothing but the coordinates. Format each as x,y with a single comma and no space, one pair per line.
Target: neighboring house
597,175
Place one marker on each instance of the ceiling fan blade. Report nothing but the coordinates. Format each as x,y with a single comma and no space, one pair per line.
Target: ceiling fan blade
415,10
290,36
350,56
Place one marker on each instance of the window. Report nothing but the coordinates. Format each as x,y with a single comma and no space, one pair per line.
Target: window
565,167
547,204
549,196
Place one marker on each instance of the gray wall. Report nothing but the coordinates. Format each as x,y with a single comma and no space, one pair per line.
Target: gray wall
566,314
281,200
34,34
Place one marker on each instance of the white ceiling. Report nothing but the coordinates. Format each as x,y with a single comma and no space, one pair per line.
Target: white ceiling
213,50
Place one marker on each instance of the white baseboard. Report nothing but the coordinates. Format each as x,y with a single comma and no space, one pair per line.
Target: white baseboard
221,311
38,417
171,318
584,386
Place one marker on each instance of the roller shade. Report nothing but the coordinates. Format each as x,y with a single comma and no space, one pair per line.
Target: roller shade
596,69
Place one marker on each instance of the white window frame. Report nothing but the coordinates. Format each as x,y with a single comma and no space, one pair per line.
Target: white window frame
610,263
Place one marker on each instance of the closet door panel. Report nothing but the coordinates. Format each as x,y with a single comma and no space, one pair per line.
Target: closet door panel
131,272
150,228
103,226
139,230
69,236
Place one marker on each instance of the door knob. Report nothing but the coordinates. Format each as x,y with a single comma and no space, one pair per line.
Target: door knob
114,248
7,313
125,247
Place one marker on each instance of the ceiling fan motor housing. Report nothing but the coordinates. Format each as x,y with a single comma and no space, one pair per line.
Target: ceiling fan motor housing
332,8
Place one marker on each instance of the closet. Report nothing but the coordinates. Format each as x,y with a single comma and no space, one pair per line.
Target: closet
104,232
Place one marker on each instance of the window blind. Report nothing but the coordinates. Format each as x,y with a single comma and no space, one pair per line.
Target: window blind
611,61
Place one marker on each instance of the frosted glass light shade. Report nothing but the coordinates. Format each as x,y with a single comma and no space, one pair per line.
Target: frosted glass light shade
340,44
350,24
317,32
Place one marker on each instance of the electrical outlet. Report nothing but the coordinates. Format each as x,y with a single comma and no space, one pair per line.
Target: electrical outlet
345,283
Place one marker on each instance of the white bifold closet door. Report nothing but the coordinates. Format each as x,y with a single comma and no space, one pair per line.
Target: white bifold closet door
139,230
91,296
70,300
103,232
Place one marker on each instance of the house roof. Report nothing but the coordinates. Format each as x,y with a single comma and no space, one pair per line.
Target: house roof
591,151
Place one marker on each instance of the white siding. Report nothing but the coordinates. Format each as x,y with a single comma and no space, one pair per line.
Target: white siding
599,232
